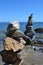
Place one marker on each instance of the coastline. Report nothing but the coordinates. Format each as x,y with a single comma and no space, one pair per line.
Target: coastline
30,56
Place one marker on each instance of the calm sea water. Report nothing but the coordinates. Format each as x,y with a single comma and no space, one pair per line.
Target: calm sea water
3,27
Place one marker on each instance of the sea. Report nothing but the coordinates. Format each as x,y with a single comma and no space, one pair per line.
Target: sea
3,28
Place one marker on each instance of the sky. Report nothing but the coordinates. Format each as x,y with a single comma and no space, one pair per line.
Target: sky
11,10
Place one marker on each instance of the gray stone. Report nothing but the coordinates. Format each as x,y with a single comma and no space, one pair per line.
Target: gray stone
39,30
29,21
29,30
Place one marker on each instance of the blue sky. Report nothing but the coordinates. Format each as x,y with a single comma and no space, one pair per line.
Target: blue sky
20,10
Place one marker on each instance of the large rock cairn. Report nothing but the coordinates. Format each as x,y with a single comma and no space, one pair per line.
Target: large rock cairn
29,30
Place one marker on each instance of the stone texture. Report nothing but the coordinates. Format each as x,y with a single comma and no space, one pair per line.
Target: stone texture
29,56
39,30
29,30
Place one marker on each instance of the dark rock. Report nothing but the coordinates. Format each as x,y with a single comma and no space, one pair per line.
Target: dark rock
18,33
29,31
13,31
29,21
39,30
15,34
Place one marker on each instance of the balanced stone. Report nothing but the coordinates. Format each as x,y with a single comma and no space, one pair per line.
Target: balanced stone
29,30
29,21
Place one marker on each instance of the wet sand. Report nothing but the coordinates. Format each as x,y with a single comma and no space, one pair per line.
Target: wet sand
29,56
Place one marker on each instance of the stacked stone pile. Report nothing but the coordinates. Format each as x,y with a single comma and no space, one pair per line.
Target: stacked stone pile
29,30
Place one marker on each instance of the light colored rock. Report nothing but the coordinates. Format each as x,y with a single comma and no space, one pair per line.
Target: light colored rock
31,57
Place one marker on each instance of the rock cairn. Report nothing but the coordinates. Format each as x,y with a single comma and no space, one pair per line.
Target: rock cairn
29,30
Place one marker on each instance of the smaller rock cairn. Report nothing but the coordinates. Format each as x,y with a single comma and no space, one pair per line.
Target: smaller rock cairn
29,30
